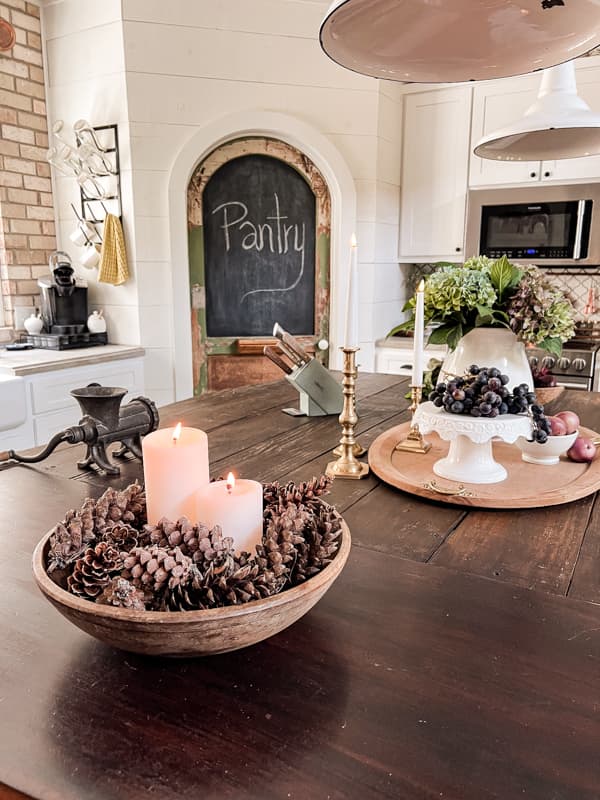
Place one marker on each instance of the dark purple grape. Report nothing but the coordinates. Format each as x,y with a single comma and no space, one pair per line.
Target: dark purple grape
485,409
494,372
440,388
491,398
475,412
537,410
495,384
494,412
474,369
432,396
530,397
469,392
505,379
459,395
468,404
460,382
541,437
451,387
438,402
457,407
503,408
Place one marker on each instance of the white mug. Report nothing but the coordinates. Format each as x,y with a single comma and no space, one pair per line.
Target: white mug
84,233
90,257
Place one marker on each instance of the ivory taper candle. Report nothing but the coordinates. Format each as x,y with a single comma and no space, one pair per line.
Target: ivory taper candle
418,355
175,467
237,506
351,327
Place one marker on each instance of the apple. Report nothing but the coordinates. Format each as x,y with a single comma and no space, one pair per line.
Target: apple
582,450
558,426
570,419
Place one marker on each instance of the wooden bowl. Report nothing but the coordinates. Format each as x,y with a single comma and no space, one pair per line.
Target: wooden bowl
545,395
189,633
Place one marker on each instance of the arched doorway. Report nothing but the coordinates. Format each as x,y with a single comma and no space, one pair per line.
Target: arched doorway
259,225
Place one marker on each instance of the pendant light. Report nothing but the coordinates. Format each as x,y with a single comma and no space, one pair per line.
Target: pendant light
442,41
558,125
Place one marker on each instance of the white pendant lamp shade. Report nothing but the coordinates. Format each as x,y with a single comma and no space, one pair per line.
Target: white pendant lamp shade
431,41
558,125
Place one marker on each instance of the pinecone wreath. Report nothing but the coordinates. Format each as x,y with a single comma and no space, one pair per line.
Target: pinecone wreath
107,553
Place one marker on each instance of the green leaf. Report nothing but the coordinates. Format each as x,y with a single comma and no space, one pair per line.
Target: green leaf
485,316
454,337
447,334
501,275
409,305
404,326
553,346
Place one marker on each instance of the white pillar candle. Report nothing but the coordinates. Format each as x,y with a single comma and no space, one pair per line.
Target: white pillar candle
237,506
351,327
418,355
175,467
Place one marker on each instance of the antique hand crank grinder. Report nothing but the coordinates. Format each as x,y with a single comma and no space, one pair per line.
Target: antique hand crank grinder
104,421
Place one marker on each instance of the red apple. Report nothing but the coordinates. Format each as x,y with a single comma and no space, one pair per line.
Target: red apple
570,419
582,450
558,426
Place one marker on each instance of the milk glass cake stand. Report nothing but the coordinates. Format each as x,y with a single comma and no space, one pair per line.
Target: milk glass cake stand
470,458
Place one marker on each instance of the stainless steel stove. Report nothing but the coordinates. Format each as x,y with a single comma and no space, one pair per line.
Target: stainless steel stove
579,365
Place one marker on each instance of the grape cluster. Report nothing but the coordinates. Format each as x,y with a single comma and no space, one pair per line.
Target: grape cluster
482,392
541,426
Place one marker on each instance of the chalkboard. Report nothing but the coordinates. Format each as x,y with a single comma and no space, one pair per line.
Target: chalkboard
259,219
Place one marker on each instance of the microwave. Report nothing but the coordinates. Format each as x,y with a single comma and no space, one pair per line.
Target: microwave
544,225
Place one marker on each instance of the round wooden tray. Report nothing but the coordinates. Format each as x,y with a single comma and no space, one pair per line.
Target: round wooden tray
527,485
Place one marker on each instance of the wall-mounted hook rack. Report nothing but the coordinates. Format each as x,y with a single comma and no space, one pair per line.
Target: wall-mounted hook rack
95,208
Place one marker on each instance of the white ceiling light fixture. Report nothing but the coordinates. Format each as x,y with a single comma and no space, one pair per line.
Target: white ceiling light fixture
444,41
558,125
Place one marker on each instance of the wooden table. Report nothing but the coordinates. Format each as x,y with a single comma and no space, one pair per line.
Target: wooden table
457,656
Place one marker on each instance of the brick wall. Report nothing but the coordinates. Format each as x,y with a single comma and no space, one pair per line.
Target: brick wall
27,236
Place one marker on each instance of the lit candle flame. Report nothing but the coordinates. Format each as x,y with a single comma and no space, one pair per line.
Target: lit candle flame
353,242
421,286
230,482
176,433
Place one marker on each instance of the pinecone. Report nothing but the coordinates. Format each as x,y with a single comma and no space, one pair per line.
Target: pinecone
123,594
156,568
304,493
122,536
94,570
284,540
193,540
128,506
321,543
226,581
70,538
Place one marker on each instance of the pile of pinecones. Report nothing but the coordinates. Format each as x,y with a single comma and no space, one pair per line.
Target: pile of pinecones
107,553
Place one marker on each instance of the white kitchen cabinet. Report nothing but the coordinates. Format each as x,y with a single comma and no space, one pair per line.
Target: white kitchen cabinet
434,174
48,407
394,355
497,104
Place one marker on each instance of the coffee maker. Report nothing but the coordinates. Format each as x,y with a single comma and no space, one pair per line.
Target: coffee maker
64,308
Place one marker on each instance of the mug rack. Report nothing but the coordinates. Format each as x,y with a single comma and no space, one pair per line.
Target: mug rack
94,209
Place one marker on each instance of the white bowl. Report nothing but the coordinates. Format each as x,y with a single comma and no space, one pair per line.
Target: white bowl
548,453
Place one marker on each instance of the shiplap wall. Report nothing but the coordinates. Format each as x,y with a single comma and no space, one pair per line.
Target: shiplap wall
165,70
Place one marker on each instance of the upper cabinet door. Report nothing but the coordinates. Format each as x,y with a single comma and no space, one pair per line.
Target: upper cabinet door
434,173
495,105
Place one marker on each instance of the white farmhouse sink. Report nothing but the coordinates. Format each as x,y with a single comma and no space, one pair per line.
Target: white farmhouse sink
13,407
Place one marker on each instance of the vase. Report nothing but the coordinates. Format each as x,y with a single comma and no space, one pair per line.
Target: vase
490,347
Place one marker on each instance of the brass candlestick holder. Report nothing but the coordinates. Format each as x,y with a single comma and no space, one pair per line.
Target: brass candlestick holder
346,465
414,442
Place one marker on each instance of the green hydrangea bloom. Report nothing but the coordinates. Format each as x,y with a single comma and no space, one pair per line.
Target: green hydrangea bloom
453,290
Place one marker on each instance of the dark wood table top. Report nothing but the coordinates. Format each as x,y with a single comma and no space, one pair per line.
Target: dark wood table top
456,657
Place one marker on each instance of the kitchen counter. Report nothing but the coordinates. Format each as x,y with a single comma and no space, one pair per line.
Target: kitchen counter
32,362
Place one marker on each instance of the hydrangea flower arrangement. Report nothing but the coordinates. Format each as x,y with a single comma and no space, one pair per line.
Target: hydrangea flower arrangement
485,293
